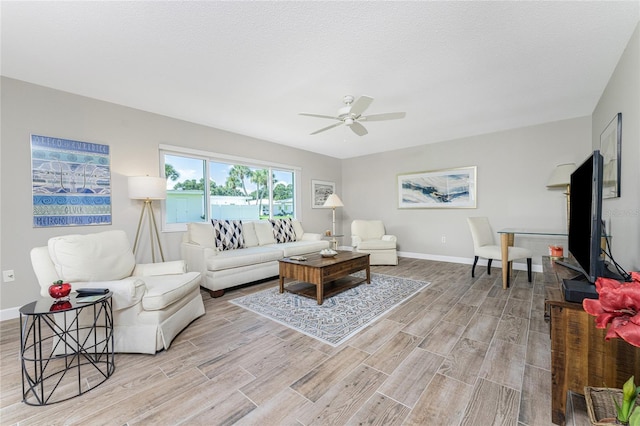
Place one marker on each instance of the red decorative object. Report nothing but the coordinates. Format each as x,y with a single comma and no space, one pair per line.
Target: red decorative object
59,289
61,306
618,305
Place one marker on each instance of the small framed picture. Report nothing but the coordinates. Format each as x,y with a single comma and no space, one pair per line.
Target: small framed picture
320,191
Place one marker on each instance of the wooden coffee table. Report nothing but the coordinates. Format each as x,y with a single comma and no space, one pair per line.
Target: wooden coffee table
322,277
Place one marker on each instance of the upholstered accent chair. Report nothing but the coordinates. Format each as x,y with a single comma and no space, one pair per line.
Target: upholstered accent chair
152,302
484,246
369,236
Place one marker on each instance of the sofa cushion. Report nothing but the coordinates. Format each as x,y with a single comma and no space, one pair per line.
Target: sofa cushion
283,230
249,234
228,234
103,256
163,290
245,257
297,228
264,232
376,245
302,247
201,233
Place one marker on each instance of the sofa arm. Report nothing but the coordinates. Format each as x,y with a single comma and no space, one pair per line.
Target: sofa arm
355,240
126,292
163,268
310,236
195,257
389,238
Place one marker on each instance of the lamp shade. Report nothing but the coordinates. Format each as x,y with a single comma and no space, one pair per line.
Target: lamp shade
561,176
147,187
333,201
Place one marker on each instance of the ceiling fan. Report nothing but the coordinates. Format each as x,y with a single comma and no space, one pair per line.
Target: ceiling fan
351,115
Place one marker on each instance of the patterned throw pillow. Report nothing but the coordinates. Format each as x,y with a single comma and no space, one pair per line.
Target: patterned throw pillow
228,234
283,230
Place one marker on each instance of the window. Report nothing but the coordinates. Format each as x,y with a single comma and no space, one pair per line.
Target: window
236,188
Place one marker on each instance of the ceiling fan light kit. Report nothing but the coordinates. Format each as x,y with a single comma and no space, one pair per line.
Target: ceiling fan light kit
351,115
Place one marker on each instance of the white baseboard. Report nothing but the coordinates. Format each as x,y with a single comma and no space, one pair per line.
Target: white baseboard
11,313
468,261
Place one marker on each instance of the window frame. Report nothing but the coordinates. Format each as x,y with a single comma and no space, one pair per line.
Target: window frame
208,157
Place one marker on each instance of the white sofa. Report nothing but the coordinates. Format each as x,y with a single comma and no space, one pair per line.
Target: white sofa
257,260
152,303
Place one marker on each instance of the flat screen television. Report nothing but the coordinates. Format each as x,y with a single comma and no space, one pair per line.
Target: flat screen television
585,217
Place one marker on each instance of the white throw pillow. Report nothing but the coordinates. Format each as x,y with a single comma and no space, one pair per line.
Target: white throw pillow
264,231
297,227
249,233
201,233
103,256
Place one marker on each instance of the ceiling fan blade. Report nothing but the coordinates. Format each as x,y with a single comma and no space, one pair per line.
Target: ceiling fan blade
317,115
385,116
327,128
358,129
360,105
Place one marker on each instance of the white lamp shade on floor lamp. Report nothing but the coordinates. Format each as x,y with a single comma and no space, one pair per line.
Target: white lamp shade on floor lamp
147,188
561,178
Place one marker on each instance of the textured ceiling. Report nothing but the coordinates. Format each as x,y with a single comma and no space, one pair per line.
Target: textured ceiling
457,68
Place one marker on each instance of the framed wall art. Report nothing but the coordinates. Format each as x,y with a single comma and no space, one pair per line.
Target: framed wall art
320,191
451,188
71,182
610,144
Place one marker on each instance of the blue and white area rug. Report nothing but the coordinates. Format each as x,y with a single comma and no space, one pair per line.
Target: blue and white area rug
339,317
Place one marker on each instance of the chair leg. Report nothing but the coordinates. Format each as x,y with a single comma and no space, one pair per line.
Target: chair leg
508,272
489,266
529,268
473,268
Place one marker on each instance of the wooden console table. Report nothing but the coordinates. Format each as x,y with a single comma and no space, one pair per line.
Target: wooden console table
579,354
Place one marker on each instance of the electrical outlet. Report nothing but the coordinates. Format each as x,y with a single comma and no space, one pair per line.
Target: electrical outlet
443,240
8,276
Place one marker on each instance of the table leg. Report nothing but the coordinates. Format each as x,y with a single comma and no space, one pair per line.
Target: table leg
319,293
505,238
368,274
281,283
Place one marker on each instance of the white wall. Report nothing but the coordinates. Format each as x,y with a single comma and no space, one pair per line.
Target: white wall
513,168
133,137
622,94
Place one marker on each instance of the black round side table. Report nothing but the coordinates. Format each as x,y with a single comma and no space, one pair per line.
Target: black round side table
66,348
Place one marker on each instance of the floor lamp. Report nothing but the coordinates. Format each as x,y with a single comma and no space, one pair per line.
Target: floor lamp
561,178
333,201
148,188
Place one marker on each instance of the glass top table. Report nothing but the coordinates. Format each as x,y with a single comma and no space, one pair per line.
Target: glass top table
507,236
532,232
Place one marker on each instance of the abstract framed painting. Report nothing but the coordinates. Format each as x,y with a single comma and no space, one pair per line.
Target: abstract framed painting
450,188
320,191
610,148
71,182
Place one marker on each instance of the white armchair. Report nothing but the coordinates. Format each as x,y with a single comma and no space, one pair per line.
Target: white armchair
152,303
369,236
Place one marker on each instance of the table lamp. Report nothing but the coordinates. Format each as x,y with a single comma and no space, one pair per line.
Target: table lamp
333,201
561,178
148,188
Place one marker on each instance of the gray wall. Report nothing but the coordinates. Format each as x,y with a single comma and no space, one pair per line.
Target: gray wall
513,168
133,137
622,94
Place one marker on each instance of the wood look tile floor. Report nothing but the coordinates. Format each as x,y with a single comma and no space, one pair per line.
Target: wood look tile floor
461,352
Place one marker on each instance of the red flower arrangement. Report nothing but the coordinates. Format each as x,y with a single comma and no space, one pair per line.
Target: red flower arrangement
618,304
